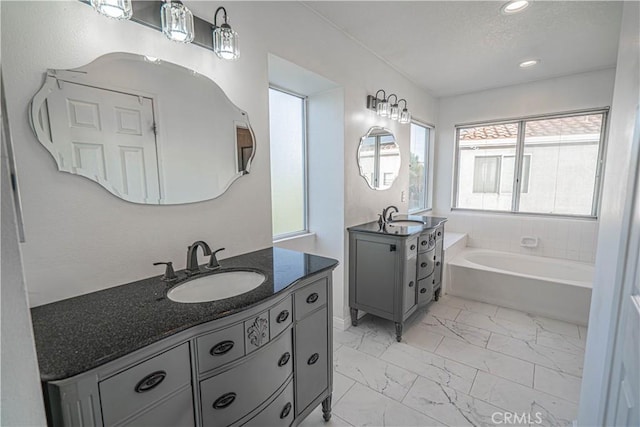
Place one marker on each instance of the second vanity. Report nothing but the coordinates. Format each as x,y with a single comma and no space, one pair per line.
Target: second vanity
395,267
130,356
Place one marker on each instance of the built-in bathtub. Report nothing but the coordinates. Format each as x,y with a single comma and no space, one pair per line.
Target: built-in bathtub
550,287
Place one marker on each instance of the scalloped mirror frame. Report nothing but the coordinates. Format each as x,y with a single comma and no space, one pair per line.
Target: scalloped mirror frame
362,167
174,186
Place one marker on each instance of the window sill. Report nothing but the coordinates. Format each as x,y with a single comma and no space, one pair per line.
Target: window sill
421,211
303,235
532,214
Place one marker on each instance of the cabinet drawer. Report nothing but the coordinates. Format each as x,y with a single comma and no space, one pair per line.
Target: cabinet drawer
233,394
426,263
130,391
426,241
256,332
312,359
425,290
278,413
280,317
220,347
174,412
412,247
310,297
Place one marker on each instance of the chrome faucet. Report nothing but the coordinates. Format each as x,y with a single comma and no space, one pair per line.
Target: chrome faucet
192,256
213,261
386,218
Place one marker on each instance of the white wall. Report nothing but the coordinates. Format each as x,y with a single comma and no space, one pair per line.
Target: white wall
80,238
559,237
623,160
20,393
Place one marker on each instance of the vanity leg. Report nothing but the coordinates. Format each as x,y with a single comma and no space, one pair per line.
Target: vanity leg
398,331
437,294
354,316
326,408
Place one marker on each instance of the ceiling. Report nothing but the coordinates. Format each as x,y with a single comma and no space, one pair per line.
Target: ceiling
455,47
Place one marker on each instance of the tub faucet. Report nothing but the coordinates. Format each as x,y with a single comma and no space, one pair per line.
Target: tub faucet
192,256
387,210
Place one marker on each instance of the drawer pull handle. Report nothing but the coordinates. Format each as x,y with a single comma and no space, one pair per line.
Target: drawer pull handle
424,243
411,284
284,359
285,411
224,401
439,233
412,247
150,382
312,298
423,290
313,359
437,263
221,348
423,265
284,315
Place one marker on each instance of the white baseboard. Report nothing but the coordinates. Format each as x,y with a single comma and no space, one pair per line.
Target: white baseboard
341,324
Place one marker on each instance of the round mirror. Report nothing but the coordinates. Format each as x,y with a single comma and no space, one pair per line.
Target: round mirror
379,158
147,130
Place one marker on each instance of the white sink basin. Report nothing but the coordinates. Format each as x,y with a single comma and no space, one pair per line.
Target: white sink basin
216,286
405,223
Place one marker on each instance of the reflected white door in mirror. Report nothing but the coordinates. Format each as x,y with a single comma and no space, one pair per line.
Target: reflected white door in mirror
148,131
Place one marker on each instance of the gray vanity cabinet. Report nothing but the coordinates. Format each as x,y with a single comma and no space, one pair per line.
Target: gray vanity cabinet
270,365
392,274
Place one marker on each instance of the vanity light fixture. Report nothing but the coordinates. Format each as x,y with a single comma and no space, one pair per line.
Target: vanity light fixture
405,115
225,40
529,63
177,21
384,107
116,9
394,111
514,6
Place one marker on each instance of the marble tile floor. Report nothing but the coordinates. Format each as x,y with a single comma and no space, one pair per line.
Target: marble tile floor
460,363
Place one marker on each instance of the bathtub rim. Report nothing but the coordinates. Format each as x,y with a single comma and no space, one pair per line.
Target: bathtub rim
460,260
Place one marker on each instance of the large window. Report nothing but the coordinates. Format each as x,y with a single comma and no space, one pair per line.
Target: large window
287,124
548,165
419,168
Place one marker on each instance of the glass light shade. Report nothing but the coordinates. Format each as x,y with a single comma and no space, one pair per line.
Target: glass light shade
116,9
382,108
177,22
394,112
405,116
225,42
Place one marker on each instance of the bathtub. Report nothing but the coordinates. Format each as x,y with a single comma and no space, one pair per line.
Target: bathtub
549,287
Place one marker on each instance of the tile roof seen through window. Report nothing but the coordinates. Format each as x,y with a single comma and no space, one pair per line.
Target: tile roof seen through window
574,125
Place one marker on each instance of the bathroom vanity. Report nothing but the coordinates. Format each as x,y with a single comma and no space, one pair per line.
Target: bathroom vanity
395,267
131,356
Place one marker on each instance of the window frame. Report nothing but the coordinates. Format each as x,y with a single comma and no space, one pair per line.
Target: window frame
520,121
305,164
428,178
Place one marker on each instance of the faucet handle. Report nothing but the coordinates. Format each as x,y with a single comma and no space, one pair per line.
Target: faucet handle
213,261
169,274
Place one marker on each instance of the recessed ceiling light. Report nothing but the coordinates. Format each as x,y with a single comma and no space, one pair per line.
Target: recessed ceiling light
514,6
529,63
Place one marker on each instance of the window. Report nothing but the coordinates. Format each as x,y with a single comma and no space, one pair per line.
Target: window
418,168
287,124
552,163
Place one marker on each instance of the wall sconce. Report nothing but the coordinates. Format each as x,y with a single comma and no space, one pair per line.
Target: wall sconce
177,22
405,115
116,9
225,40
386,108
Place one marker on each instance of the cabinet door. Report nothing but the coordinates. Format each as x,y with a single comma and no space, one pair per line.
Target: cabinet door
376,274
410,284
313,360
439,261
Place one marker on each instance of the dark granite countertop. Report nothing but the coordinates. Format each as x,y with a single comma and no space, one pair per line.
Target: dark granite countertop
389,230
81,333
